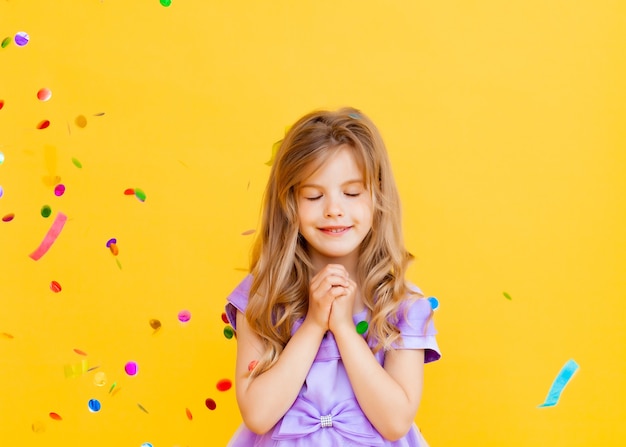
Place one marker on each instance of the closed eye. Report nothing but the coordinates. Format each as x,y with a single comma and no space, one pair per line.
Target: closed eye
313,198
353,194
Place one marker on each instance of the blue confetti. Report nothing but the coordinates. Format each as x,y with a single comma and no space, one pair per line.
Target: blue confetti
434,302
562,379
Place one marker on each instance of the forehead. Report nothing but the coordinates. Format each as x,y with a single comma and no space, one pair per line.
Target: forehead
337,165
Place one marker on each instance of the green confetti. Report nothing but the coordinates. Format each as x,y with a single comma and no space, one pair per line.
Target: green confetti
166,3
77,163
5,42
506,295
46,211
361,327
275,148
228,332
140,194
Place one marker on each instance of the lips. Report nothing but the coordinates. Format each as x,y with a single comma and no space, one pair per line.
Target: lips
334,230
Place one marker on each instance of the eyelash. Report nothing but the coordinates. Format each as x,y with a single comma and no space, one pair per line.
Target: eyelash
319,197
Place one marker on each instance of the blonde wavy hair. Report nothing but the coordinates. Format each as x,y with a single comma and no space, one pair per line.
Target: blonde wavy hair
280,262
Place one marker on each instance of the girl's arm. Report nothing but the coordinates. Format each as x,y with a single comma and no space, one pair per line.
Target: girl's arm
390,395
264,399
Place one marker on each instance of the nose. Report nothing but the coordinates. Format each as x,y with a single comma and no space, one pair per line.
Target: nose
333,207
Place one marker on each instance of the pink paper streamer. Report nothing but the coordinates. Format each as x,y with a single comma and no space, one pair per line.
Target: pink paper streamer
50,237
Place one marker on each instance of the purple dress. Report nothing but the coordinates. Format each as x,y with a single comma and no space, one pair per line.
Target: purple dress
326,412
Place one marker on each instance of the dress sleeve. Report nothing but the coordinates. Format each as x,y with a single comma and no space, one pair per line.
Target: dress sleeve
238,300
418,330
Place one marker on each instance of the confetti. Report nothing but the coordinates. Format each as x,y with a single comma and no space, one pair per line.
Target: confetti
146,444
5,43
142,408
225,318
1,153
6,335
100,379
55,287
81,121
184,316
189,415
210,404
562,379
50,237
228,332
434,302
362,327
247,232
80,352
131,368
94,405
140,195
43,124
155,324
21,39
166,3
129,192
1,191
59,190
275,148
507,296
44,94
252,365
77,163
112,387
111,241
55,416
114,249
46,211
8,217
224,385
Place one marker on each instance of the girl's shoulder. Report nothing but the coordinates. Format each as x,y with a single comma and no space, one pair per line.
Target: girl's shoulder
238,300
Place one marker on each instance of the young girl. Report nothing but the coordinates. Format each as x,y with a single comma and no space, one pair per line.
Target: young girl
331,339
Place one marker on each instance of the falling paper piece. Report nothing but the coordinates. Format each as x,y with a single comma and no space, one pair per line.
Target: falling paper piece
129,192
188,412
224,385
21,39
50,237
81,121
142,408
228,332
77,163
44,94
94,405
55,287
506,295
5,43
252,365
46,211
166,3
210,404
1,191
361,327
247,232
111,241
225,318
140,195
131,368
80,352
567,372
114,250
8,217
1,153
59,190
434,302
55,416
184,316
6,335
100,379
43,124
155,324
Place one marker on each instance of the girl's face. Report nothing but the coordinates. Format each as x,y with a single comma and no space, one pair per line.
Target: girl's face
335,211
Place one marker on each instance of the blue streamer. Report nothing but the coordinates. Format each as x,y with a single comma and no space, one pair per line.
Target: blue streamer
559,383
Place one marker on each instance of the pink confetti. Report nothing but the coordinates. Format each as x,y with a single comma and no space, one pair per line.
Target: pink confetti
51,236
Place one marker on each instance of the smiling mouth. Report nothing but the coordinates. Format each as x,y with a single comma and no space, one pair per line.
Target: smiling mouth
335,230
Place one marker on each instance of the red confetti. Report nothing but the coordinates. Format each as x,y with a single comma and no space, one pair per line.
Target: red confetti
224,385
1,103
188,412
129,192
210,404
252,365
55,287
8,217
44,124
56,416
79,352
225,318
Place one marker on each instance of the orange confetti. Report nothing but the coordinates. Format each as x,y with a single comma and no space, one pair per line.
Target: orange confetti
56,416
55,287
189,415
129,192
79,352
114,249
43,125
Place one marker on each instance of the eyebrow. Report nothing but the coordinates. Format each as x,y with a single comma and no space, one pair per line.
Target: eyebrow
347,183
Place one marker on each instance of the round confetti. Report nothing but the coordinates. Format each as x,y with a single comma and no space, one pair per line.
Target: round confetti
210,404
146,444
55,416
155,324
140,194
59,190
44,94
225,318
8,217
224,385
94,405
77,163
46,211
184,316
1,153
129,192
228,332
361,327
21,39
166,3
114,249
131,368
43,124
111,241
1,191
5,43
434,302
81,121
38,427
252,365
188,412
55,287
100,379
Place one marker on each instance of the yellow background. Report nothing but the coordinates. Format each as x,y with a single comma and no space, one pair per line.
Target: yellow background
505,124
